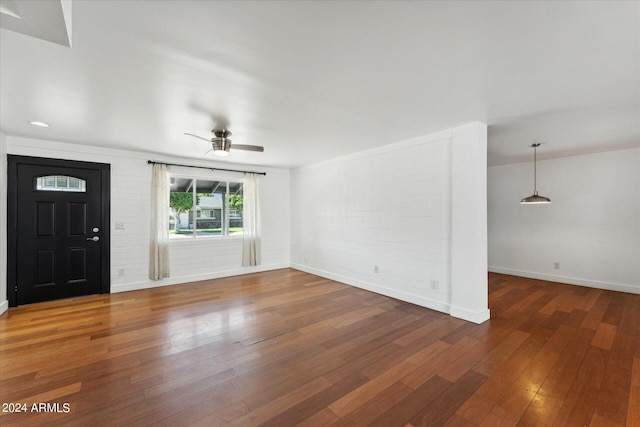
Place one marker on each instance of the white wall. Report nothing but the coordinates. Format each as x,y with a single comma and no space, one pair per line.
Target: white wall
130,202
396,207
4,303
592,226
391,207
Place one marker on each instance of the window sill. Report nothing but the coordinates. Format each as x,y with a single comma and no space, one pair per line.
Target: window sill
208,240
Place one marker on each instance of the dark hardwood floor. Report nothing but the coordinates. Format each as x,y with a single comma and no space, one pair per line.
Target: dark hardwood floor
286,348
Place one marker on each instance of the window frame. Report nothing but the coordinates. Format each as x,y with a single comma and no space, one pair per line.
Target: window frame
225,211
40,184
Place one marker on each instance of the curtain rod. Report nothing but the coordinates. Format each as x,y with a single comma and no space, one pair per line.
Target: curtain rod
153,162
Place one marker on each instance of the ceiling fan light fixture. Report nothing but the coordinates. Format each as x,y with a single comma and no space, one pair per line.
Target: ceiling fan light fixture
535,199
221,146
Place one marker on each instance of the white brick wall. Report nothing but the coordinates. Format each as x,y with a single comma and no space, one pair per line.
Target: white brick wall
416,210
130,203
388,207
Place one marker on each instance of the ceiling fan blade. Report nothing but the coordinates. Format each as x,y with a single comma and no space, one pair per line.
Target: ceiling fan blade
190,134
210,150
247,147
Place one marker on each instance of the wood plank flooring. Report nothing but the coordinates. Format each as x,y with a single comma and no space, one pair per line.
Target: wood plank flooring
286,348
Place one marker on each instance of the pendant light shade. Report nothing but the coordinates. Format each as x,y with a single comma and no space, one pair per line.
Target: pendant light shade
535,199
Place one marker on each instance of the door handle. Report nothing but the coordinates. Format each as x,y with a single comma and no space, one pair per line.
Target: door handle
94,238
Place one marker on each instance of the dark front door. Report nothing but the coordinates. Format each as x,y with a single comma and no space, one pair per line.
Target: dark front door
61,241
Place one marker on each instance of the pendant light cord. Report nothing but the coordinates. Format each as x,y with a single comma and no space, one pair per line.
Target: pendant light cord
535,162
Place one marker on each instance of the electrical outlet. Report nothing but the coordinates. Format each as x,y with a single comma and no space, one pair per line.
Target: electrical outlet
376,269
306,261
119,225
434,284
556,265
121,272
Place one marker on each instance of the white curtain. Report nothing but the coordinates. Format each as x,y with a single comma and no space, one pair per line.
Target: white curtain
159,242
251,220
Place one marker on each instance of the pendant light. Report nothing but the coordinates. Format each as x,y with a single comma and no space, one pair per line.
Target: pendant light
535,198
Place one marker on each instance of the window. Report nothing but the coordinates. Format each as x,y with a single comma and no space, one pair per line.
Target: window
61,183
204,207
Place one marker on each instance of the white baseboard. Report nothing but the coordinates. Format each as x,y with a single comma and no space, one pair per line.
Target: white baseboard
146,284
393,293
568,280
471,316
4,306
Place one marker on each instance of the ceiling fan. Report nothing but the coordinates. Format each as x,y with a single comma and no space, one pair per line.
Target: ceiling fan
221,144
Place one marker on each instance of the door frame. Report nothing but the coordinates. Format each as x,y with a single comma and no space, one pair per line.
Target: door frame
12,217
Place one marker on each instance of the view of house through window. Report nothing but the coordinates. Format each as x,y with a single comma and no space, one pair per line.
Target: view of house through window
201,207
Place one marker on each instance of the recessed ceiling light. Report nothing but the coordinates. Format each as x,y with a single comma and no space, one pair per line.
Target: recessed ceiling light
40,124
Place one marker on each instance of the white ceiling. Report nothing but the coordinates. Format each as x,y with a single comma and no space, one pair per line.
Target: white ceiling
315,80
